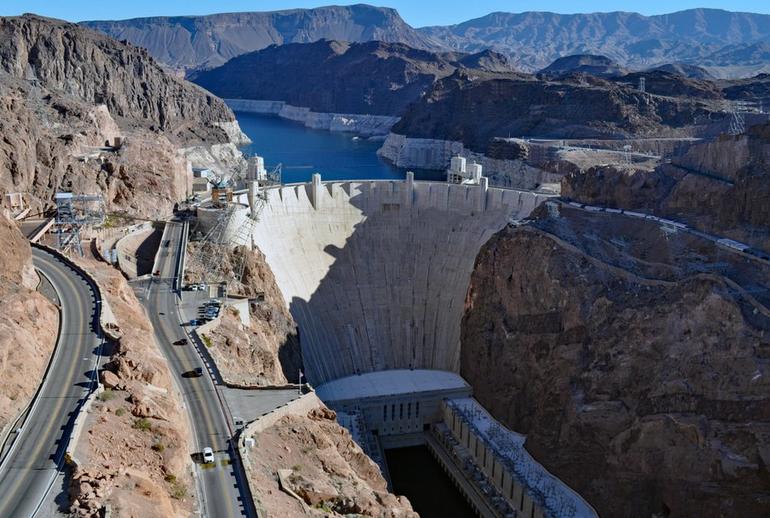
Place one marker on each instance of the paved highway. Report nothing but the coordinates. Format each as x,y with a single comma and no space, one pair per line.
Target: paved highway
225,492
36,456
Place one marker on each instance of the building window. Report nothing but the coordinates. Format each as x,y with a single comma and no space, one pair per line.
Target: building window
401,411
409,410
385,412
392,412
417,409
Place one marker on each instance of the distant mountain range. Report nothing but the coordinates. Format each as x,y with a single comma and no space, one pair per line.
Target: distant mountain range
201,42
535,39
727,44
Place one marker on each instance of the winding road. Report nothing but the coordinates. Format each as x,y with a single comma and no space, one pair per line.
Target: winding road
36,456
223,484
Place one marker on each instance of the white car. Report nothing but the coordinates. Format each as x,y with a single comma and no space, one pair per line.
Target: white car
208,455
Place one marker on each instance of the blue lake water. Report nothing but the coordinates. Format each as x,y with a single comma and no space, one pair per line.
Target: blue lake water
303,151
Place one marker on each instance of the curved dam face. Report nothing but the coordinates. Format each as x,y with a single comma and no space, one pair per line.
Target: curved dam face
376,273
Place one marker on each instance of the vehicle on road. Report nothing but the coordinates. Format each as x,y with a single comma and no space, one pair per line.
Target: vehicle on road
195,322
168,242
197,372
208,455
181,341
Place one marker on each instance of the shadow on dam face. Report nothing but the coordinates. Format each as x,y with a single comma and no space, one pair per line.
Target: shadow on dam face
376,273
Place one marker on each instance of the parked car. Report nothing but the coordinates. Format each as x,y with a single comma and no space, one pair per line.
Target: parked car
208,455
195,322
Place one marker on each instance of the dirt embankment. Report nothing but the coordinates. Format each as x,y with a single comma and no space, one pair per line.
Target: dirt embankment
636,368
327,470
28,325
266,352
135,453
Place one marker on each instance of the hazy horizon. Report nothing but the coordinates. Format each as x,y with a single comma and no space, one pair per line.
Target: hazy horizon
425,14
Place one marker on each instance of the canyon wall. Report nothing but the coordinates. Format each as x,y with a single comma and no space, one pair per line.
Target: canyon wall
29,324
636,370
68,92
720,186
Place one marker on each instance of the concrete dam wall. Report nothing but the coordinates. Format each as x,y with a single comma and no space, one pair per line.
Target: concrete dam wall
376,273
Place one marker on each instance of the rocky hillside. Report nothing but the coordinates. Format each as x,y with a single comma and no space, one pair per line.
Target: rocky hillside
375,78
727,41
266,352
323,466
28,325
637,370
66,90
599,66
720,186
201,42
475,108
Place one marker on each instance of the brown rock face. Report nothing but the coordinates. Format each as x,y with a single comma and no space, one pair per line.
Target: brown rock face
720,186
96,69
66,90
637,371
28,325
329,471
267,351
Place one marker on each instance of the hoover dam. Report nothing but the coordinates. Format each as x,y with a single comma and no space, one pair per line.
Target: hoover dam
376,273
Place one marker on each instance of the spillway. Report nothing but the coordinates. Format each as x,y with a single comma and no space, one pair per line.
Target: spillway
376,272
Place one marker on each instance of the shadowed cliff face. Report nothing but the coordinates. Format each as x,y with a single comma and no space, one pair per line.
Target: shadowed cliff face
375,78
636,369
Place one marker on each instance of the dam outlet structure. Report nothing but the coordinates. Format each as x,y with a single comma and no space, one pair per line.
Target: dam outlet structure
376,274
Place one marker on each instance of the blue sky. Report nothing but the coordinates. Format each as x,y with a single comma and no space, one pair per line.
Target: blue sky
415,12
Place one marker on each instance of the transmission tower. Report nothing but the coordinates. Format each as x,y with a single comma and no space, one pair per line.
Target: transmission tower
74,211
737,122
229,231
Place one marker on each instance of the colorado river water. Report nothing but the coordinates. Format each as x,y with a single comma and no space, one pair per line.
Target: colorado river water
304,151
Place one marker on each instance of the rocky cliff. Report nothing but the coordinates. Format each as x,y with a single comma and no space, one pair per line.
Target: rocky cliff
322,465
201,42
28,326
265,352
475,108
375,78
66,91
720,186
636,369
